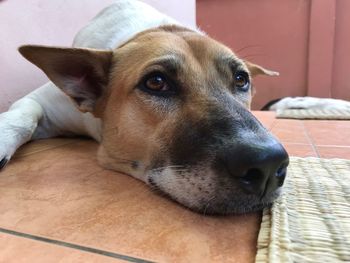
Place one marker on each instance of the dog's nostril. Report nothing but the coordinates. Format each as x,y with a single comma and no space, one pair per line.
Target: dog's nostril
280,171
251,181
252,174
258,181
281,175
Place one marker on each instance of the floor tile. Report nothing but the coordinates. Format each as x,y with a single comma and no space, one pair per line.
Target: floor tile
267,118
290,131
334,152
300,150
329,132
63,194
21,250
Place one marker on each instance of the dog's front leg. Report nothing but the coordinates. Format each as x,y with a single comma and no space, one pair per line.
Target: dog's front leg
17,126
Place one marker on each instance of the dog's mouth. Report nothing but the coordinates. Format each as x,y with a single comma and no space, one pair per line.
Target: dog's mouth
203,191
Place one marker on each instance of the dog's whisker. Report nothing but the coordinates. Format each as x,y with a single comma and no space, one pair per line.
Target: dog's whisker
207,205
169,166
253,55
123,160
244,48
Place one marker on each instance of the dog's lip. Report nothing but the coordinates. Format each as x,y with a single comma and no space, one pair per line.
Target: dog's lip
221,209
254,206
235,210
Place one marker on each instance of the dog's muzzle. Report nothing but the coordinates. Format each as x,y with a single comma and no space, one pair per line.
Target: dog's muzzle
233,164
258,165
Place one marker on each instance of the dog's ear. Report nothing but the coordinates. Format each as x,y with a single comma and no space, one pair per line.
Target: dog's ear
80,73
259,70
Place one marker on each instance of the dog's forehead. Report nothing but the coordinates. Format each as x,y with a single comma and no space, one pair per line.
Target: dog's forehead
180,43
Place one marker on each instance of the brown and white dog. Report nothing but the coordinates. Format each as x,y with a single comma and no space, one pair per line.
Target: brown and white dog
167,104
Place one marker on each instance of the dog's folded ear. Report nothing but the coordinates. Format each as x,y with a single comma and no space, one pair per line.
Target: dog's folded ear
80,73
259,70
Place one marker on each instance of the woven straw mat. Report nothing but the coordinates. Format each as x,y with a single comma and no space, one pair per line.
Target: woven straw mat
314,114
310,222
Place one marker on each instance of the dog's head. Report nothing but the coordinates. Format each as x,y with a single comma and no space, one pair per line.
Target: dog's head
175,111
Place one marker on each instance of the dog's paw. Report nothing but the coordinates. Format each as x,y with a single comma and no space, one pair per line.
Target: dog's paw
3,162
6,152
5,155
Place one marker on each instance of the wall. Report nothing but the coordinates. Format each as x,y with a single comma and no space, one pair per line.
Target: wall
53,22
305,40
341,64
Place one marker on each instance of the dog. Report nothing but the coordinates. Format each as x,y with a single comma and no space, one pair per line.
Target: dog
167,104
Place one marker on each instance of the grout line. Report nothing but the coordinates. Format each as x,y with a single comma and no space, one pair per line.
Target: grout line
310,140
295,143
333,146
74,246
317,145
273,124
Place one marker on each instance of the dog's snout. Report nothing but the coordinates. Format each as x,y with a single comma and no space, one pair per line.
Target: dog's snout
259,168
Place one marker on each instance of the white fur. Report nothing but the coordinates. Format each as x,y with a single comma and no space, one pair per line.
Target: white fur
119,22
47,111
17,125
184,187
310,103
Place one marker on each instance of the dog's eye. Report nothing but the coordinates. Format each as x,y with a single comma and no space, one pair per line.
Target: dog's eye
156,83
242,81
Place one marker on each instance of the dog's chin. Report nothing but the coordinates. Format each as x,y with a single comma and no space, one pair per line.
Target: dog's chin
218,204
230,209
241,205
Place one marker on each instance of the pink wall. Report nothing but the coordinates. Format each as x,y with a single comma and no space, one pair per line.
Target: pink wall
53,22
341,63
307,41
321,47
271,33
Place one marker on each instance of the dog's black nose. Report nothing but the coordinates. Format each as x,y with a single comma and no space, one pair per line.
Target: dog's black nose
260,168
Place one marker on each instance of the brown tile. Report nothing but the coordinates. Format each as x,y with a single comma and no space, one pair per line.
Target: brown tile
287,123
334,152
290,131
300,150
63,194
17,250
329,132
267,118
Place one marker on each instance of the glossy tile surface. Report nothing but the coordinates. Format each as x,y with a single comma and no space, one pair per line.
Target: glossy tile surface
329,132
16,249
55,189
300,150
62,193
334,152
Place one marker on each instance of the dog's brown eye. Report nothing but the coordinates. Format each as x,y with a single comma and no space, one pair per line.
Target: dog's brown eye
156,83
242,81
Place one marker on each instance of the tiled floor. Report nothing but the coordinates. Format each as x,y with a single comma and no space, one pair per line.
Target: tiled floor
318,138
58,205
